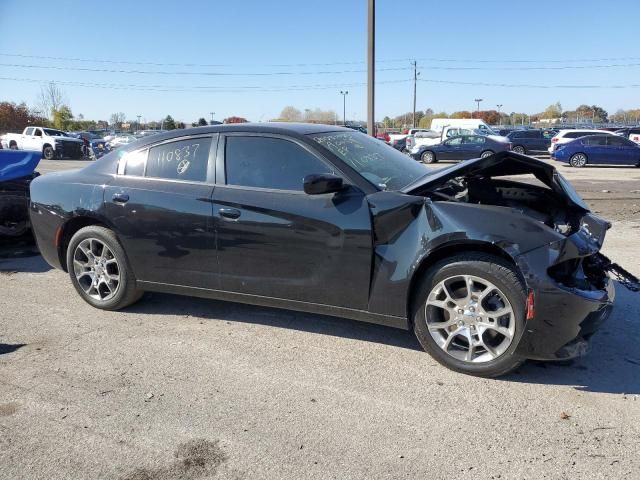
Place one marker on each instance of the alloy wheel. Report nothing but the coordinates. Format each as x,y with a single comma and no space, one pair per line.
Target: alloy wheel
427,157
486,154
470,318
96,269
579,160
519,149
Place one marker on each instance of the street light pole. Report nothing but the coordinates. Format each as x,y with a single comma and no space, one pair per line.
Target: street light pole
499,116
478,100
371,45
138,121
212,114
415,81
344,106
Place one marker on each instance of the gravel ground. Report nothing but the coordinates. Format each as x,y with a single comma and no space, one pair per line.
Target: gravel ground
177,387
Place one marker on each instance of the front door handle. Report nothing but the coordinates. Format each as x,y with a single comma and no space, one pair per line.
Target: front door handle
232,213
120,197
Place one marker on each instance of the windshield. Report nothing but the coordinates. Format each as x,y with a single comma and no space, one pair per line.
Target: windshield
379,163
54,133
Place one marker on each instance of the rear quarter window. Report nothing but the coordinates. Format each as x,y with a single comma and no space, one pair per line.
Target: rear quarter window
182,160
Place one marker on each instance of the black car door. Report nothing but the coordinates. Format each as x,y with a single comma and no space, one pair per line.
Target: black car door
276,241
159,205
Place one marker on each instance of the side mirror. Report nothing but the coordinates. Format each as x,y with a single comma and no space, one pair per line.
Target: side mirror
319,183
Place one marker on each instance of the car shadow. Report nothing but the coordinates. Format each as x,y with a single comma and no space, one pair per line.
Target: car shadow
612,365
9,348
166,304
27,261
613,362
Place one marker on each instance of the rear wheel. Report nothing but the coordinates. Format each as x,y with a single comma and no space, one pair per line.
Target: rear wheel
99,269
48,152
428,156
519,149
469,314
578,160
13,145
486,153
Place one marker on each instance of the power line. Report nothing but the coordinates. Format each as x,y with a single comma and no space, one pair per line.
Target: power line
302,87
207,74
527,85
424,59
198,88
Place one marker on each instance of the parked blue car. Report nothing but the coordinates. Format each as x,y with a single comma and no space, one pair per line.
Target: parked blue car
598,150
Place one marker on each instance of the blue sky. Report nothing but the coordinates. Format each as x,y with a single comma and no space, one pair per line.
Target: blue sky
268,54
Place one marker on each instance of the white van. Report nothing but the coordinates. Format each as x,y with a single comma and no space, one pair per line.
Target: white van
438,124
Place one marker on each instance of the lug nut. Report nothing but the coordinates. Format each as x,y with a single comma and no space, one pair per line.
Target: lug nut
460,311
472,309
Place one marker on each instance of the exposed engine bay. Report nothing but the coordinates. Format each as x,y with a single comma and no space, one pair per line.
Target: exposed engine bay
537,202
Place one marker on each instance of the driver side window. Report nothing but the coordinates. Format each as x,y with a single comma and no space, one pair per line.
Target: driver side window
269,162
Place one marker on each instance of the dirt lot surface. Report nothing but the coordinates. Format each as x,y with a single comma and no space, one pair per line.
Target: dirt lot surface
177,387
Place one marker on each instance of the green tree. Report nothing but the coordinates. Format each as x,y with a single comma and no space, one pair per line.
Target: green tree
461,114
202,122
62,118
169,123
425,122
552,111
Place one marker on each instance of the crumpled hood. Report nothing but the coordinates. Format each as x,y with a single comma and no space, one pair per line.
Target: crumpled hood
501,164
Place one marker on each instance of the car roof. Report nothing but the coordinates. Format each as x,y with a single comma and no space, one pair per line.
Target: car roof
586,130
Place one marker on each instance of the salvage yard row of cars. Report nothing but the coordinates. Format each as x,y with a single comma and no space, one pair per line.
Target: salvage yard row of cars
485,267
464,139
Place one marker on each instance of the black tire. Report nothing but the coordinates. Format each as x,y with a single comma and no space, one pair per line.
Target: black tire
126,292
13,146
519,149
488,267
487,153
48,152
428,157
578,160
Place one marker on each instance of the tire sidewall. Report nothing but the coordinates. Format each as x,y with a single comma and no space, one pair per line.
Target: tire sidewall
50,156
573,164
486,153
127,280
519,149
487,270
431,159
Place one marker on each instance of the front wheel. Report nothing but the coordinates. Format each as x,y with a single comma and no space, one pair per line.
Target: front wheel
48,152
486,153
519,149
99,269
469,314
428,157
578,160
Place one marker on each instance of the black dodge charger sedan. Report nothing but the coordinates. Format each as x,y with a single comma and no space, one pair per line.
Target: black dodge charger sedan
486,270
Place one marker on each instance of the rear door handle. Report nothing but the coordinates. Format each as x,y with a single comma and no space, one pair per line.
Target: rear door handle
232,213
120,197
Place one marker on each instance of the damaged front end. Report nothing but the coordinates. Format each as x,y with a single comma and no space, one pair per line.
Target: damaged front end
550,234
17,170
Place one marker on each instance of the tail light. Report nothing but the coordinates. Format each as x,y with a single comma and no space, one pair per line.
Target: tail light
509,146
387,138
554,140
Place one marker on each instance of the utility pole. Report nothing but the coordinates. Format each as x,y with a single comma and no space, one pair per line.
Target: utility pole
478,100
371,76
415,81
212,114
344,106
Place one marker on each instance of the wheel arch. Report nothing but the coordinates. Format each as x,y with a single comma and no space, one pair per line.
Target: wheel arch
69,229
448,250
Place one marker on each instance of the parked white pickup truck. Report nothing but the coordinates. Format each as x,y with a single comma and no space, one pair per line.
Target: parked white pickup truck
52,143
